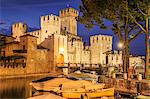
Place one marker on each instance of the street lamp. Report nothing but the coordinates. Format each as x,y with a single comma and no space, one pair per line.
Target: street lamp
120,45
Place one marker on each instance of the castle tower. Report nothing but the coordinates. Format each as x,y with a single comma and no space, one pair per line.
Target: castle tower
68,20
18,29
100,44
29,43
50,24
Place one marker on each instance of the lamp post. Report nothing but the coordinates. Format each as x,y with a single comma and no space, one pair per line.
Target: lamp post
121,47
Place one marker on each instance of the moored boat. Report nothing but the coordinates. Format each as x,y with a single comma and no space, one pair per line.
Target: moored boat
74,88
89,94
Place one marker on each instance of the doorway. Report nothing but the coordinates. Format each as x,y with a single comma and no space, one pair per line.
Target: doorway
60,61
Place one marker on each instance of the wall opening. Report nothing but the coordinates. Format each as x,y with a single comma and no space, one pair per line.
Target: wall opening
60,61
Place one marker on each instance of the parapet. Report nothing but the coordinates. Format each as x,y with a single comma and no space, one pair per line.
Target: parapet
68,12
50,17
97,38
19,25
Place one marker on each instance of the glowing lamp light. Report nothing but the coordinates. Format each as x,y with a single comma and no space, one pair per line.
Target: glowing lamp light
61,50
120,45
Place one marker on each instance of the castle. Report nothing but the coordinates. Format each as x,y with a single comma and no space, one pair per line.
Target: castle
55,44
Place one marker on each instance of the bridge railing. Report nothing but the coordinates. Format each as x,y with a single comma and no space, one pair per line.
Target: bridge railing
85,65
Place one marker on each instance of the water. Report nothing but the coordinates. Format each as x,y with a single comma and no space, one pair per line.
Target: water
19,88
15,88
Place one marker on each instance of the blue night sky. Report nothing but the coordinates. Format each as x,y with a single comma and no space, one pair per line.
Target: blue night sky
29,11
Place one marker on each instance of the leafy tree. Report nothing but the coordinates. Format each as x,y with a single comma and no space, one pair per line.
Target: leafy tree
122,14
142,7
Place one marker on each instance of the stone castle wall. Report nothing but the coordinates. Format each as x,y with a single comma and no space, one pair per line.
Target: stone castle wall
12,68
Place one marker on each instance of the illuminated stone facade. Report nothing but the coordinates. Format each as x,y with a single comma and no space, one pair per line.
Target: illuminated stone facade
56,43
100,44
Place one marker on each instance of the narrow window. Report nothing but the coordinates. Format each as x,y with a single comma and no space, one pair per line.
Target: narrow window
23,47
48,18
63,42
93,39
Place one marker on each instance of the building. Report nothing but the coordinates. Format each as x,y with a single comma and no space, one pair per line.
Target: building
55,44
99,45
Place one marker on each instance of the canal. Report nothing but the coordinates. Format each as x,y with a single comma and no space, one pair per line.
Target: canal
15,88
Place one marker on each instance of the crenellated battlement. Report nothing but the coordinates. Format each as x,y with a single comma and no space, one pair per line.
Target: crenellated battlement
100,38
18,29
50,24
20,26
68,20
50,19
68,12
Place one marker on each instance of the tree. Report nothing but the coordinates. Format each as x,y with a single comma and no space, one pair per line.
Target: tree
119,12
143,8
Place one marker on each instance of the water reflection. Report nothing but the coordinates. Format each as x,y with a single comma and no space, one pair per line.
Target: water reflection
15,88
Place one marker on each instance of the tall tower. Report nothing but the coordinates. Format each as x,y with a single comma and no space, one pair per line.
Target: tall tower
100,44
68,20
50,24
18,29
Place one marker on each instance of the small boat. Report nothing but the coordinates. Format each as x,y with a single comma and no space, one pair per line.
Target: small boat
74,88
89,94
143,97
100,93
84,76
50,85
47,96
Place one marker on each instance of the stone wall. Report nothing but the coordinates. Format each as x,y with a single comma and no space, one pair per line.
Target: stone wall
99,44
18,29
68,20
14,69
50,24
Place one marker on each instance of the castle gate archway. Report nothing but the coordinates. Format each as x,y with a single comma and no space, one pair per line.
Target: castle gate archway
60,61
